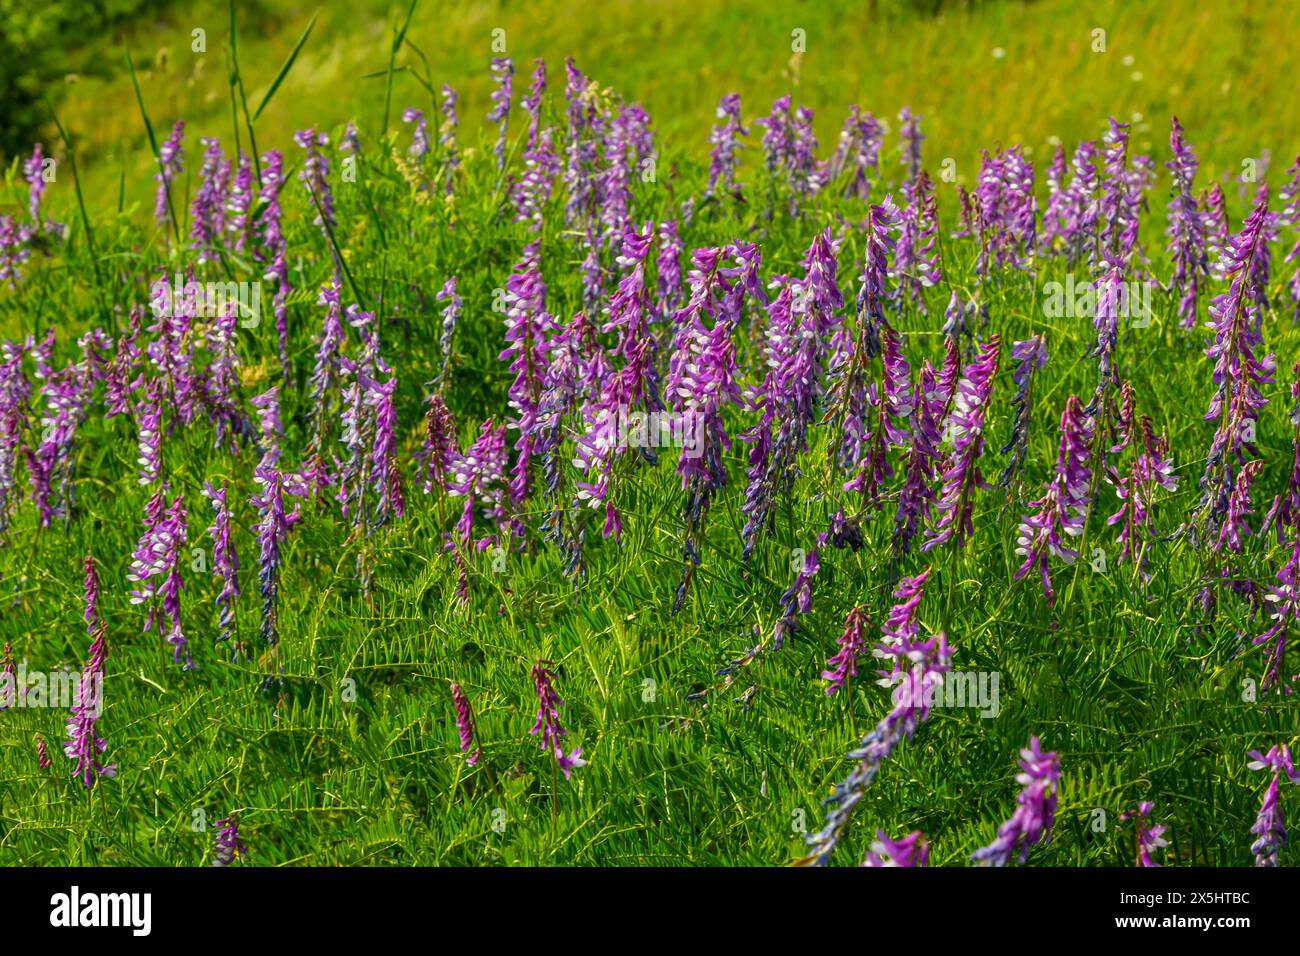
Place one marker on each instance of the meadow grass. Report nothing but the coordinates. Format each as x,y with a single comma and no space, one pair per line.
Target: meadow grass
358,763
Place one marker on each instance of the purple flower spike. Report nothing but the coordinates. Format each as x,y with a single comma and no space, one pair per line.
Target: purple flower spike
225,563
926,663
798,599
420,137
909,131
1186,231
548,719
273,526
1270,828
208,211
1147,837
503,71
965,425
33,172
84,745
725,139
465,724
1063,509
911,851
169,167
1031,824
1239,375
843,667
227,844
1028,356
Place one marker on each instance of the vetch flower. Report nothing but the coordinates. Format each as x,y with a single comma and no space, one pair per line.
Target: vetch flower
1147,838
503,71
548,719
1063,508
911,851
227,844
1270,828
169,167
1035,813
225,562
465,724
965,425
928,661
843,667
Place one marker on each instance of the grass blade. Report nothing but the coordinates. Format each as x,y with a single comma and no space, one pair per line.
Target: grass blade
288,65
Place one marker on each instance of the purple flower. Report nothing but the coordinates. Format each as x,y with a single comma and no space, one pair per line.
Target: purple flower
858,153
527,324
800,321
449,316
268,414
916,255
1029,356
911,851
273,247
14,249
479,477
420,137
1120,200
702,384
465,724
315,177
273,526
149,429
503,71
1270,828
225,563
84,745
42,754
1285,601
1238,374
668,268
532,103
1063,509
724,158
447,138
155,567
207,212
1147,838
33,172
1031,824
926,663
350,143
169,167
227,844
917,496
548,719
1150,466
797,599
533,190
909,131
843,666
439,444
1186,230
965,425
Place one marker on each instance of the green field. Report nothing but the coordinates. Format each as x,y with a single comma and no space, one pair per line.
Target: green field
357,762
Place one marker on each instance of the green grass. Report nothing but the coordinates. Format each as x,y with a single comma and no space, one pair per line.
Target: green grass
1115,678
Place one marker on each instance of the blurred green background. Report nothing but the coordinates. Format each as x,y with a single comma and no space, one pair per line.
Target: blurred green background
979,73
